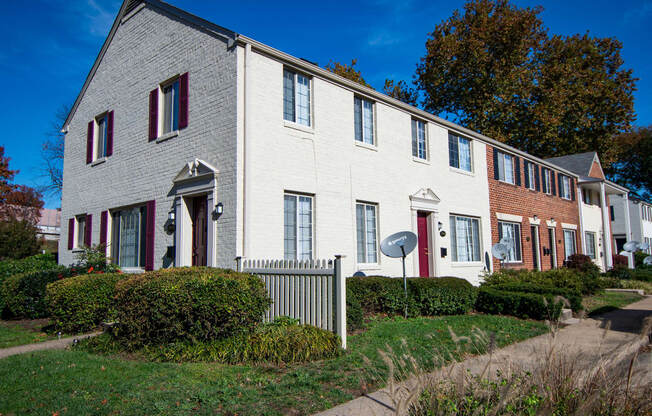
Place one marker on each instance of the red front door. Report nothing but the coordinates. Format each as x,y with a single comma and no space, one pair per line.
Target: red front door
423,238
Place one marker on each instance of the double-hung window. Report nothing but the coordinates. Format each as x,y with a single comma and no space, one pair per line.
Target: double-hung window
465,238
366,225
569,243
81,231
459,152
419,144
296,97
509,233
101,137
505,167
547,181
565,189
364,120
171,106
590,244
128,237
297,234
531,172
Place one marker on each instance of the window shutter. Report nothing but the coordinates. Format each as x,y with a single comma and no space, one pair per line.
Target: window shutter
611,214
103,226
153,114
517,170
560,184
496,173
71,233
89,230
109,133
552,183
500,232
149,235
183,101
89,142
572,186
526,173
537,182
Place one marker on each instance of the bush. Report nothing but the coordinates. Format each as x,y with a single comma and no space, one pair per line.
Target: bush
582,264
35,263
619,260
353,310
193,304
93,259
564,278
23,295
18,239
521,305
573,296
82,302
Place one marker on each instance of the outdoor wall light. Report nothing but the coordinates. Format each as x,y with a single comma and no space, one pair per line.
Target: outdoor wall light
552,219
219,209
171,216
439,225
535,218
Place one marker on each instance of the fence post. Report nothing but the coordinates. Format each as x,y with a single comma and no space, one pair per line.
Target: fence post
238,264
340,297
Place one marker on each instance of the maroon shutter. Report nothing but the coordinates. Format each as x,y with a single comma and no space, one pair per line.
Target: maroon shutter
153,114
183,101
89,142
103,218
71,233
89,230
109,134
149,235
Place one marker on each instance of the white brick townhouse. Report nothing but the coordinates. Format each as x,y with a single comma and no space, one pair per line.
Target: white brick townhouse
191,144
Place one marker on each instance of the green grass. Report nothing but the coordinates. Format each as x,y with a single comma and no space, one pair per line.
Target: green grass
82,383
608,301
13,334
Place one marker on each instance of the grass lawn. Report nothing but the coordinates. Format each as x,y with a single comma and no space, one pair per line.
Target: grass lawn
14,333
77,382
608,301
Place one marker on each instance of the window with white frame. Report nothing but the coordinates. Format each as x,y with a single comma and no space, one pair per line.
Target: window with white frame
101,136
569,243
510,233
128,237
170,106
547,181
366,226
531,171
465,238
505,167
459,152
648,240
81,231
565,187
364,120
589,238
296,97
297,238
419,143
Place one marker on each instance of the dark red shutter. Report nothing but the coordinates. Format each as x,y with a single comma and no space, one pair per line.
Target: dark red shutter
71,233
89,142
109,134
149,235
183,101
89,230
153,114
103,225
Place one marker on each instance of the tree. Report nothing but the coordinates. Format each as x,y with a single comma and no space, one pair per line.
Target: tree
18,239
633,168
52,153
17,202
401,91
495,70
347,71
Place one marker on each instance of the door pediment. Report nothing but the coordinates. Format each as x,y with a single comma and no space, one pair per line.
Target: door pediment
195,169
424,199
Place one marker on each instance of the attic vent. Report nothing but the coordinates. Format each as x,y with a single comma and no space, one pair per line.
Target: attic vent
132,5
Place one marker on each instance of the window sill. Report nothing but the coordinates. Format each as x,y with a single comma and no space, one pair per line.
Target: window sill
98,161
133,270
467,264
300,127
366,145
368,266
461,171
507,183
167,136
77,249
419,160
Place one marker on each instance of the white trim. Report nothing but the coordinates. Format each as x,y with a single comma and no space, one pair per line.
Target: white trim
296,126
535,222
98,161
551,223
167,136
569,226
366,145
509,217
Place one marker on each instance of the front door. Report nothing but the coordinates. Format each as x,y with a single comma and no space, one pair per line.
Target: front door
199,230
553,248
534,237
423,238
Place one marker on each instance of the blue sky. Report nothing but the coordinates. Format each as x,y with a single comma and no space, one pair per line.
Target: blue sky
50,46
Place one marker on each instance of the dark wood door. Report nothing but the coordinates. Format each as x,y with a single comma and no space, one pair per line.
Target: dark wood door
199,230
422,238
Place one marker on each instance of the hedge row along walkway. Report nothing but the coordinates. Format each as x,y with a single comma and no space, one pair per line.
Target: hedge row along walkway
57,344
614,335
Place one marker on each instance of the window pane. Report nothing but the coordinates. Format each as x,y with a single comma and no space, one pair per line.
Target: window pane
360,232
81,231
476,240
501,167
305,228
357,116
168,96
509,169
290,234
512,232
129,237
303,100
372,255
368,122
453,238
421,131
569,243
101,137
453,152
415,146
288,95
532,175
465,154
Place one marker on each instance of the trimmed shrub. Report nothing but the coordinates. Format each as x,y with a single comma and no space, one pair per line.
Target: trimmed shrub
573,296
521,305
564,278
35,263
353,310
195,304
82,302
582,264
23,295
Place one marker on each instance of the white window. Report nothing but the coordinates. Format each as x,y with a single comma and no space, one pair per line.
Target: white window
569,243
296,97
459,152
364,120
465,238
170,106
547,181
506,167
366,230
510,232
590,244
128,237
419,144
101,136
297,212
81,231
531,171
565,187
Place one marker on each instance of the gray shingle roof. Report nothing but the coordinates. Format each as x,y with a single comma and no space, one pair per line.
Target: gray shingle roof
579,163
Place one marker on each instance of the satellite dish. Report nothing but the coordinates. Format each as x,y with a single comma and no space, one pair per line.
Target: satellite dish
643,246
500,251
648,261
631,246
623,253
506,241
399,244
359,274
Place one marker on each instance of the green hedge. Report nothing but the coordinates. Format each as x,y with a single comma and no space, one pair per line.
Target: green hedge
23,295
622,272
354,313
426,296
573,296
190,304
521,305
82,302
35,263
562,278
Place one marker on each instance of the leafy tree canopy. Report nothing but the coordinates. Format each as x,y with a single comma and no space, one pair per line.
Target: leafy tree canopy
634,166
347,71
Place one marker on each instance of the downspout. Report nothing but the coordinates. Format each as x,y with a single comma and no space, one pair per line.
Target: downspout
246,244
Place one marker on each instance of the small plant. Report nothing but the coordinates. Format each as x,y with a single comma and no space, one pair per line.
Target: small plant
94,259
582,264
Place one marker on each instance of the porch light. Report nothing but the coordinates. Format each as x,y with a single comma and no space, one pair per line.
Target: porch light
535,218
171,216
219,208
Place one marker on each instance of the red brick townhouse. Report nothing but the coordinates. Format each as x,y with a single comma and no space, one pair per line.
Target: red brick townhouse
532,203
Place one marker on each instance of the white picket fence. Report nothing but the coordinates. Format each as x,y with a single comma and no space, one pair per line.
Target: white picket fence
312,291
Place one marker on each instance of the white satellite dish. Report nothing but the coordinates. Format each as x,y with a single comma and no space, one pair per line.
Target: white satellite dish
623,253
506,241
400,245
631,246
500,251
648,261
643,246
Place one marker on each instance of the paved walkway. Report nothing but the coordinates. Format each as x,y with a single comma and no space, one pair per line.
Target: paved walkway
588,342
57,344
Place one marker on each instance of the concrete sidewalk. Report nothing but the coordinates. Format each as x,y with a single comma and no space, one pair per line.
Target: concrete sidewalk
615,335
57,344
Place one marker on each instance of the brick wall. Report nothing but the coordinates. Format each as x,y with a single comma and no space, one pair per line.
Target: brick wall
520,201
596,171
